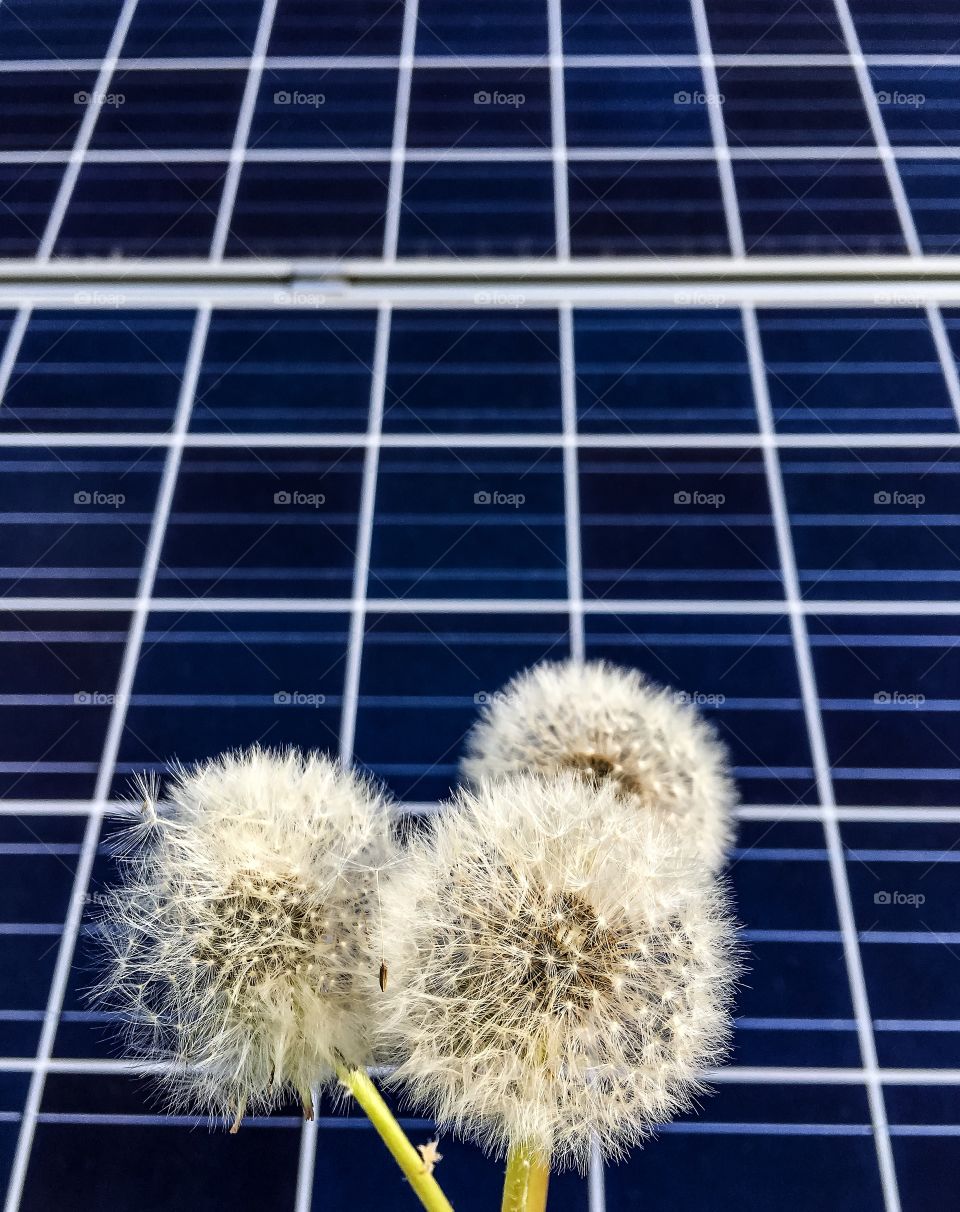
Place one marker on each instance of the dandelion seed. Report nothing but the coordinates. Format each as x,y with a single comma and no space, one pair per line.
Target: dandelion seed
612,726
562,967
242,941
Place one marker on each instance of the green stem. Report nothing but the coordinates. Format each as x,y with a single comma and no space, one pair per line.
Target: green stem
526,1179
394,1137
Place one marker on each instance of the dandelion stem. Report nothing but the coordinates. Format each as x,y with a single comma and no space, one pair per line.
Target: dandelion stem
525,1183
393,1136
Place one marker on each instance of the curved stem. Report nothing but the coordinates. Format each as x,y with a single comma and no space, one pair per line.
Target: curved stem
525,1183
393,1136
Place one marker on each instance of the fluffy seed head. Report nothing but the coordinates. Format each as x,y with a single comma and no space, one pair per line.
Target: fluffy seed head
559,968
244,944
612,726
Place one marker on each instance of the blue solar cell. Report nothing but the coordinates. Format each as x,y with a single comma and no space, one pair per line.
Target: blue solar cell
183,28
318,210
646,512
150,209
497,27
636,107
662,372
646,209
793,106
763,27
57,677
781,882
874,524
56,29
919,105
305,502
328,27
912,982
206,684
36,888
164,109
471,107
422,679
337,109
933,191
742,674
627,27
500,208
100,370
75,521
26,197
464,523
449,370
885,29
784,1168
286,372
816,207
210,1168
42,111
852,371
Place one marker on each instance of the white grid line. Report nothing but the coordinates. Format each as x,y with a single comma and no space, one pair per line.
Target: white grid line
491,441
465,62
453,62
821,763
398,158
85,133
546,606
558,129
571,483
238,150
108,762
718,130
834,153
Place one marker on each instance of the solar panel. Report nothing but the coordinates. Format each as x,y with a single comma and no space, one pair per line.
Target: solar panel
338,505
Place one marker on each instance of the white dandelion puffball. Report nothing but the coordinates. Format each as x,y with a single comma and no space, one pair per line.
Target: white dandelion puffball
560,969
613,726
244,944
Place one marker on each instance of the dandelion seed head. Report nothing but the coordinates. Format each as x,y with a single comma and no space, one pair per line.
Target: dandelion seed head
561,968
243,944
612,726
